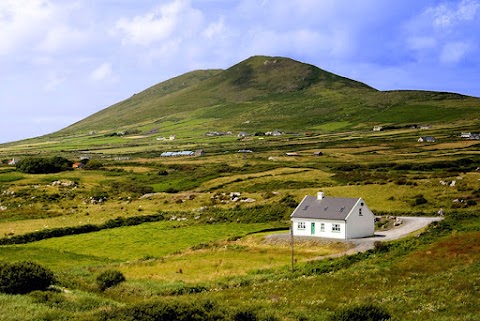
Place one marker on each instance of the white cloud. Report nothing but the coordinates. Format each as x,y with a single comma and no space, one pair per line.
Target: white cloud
30,25
21,21
454,52
102,72
62,37
175,19
446,15
215,29
444,32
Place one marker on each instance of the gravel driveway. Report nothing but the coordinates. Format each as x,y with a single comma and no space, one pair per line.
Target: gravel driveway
409,225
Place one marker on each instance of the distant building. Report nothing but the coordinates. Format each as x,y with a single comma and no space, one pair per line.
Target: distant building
78,165
13,161
274,133
177,154
377,128
427,139
245,151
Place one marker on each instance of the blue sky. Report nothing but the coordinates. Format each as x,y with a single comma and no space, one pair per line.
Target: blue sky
63,60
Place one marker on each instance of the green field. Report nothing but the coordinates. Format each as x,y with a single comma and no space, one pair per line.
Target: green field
193,235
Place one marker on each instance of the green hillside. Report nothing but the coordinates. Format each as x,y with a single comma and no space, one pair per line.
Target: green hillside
265,93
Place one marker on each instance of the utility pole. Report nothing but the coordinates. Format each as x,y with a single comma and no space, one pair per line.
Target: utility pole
293,249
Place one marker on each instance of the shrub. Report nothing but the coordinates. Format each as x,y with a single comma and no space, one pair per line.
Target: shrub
110,278
361,313
35,165
246,315
131,188
289,200
420,200
94,164
24,277
164,311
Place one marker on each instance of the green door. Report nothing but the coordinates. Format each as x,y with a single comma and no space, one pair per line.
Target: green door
313,228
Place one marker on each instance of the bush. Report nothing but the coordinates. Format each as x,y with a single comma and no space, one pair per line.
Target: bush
24,277
94,164
289,200
361,313
420,200
165,311
34,165
246,315
110,278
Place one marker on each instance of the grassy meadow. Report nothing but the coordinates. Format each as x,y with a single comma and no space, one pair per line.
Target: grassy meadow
211,242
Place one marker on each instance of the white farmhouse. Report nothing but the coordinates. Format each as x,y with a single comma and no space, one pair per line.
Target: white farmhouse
333,217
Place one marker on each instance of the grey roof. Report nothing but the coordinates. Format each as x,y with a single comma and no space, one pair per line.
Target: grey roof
330,208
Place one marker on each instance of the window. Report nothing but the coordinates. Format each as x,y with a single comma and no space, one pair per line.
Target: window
322,227
301,225
336,228
360,212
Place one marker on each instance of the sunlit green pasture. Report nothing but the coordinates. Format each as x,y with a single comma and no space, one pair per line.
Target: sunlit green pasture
146,240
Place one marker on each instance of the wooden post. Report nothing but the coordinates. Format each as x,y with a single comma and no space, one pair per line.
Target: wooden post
293,249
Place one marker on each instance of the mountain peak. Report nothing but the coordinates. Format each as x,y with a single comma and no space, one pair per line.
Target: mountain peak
280,75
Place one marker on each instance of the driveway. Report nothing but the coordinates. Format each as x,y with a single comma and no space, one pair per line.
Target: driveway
408,226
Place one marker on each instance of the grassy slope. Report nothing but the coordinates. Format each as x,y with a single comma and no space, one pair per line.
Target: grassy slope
265,93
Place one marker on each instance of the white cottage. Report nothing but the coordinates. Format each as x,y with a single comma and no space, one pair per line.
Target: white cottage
333,217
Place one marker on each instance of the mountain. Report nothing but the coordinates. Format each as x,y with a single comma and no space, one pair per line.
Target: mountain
266,93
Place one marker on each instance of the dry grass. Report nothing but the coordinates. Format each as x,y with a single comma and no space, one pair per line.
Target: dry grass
227,259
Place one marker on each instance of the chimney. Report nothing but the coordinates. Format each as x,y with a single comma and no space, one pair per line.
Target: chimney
320,196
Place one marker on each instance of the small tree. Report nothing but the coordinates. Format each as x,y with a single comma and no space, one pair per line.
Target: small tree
110,278
24,277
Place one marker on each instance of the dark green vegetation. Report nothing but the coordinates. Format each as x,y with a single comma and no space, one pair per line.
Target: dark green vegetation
24,277
136,236
110,278
361,313
44,165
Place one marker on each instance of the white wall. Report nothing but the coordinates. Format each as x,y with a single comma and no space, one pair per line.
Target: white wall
360,226
328,233
356,225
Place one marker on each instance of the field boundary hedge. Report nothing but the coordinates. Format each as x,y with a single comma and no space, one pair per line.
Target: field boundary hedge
82,229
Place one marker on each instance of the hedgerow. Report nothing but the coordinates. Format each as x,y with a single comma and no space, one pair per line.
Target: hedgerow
82,229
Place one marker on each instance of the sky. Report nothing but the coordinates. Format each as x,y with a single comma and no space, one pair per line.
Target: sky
63,60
